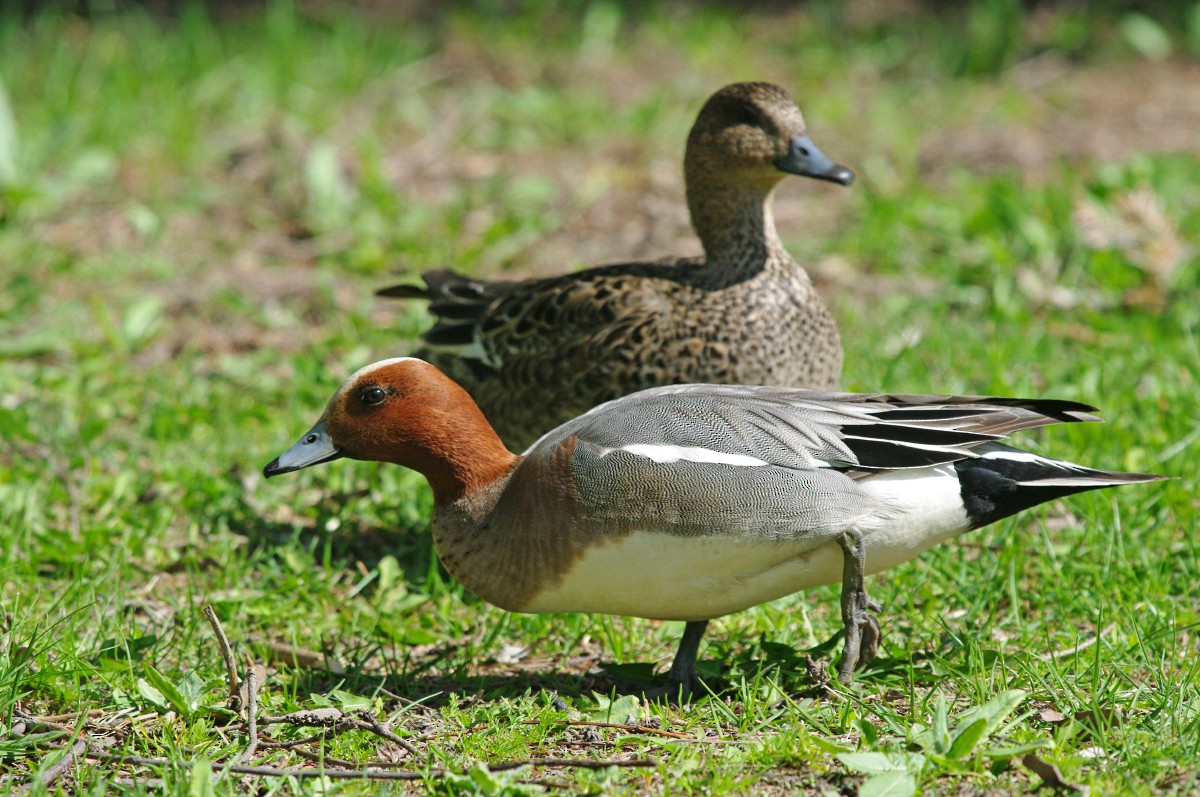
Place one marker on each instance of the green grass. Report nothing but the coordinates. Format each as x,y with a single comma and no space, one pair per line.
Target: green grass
193,219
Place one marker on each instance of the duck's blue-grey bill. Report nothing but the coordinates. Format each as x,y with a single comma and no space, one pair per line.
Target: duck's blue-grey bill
312,449
806,160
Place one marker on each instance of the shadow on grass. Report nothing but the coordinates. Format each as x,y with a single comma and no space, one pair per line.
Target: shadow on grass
721,679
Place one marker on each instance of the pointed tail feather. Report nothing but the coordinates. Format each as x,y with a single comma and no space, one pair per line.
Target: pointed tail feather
1095,479
403,292
1004,480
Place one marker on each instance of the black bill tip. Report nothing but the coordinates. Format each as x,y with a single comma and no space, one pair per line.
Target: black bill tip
314,448
806,160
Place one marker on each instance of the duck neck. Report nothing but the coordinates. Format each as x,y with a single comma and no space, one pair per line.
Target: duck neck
463,457
736,227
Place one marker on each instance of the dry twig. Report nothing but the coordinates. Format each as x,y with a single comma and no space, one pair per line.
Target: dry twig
60,766
251,714
337,720
235,699
330,761
278,745
620,726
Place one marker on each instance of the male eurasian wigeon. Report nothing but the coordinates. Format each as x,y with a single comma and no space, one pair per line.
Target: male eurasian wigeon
537,353
694,501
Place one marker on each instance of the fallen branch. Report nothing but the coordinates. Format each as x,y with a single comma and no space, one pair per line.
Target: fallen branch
372,774
266,771
382,730
330,760
620,726
277,745
60,766
283,653
578,763
338,720
69,716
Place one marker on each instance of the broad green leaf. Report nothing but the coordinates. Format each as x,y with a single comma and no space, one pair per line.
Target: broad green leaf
167,691
1146,36
828,745
920,736
870,737
389,573
966,738
348,701
1193,30
201,783
153,695
329,193
143,219
895,783
940,731
870,762
483,778
1020,749
995,711
623,709
9,143
141,321
192,689
20,744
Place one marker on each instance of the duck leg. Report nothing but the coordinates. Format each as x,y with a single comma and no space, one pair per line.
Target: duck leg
683,668
862,630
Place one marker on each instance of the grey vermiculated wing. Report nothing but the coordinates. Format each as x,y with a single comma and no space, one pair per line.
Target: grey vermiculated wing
694,499
804,429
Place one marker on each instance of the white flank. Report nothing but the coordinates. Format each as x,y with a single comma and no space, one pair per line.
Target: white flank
919,509
675,577
665,454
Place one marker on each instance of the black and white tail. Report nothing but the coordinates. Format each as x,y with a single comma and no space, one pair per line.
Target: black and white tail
1003,480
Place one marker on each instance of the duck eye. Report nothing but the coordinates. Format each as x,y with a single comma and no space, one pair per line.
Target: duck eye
373,395
748,116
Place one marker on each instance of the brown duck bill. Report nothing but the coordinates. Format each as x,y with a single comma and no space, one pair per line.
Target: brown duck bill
315,447
805,159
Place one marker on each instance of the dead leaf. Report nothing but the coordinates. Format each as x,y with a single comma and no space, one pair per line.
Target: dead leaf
1051,775
511,654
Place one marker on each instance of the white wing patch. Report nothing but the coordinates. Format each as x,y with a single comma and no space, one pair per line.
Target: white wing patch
664,454
1066,468
1015,456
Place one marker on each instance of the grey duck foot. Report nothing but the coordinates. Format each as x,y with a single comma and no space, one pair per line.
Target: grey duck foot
862,629
684,677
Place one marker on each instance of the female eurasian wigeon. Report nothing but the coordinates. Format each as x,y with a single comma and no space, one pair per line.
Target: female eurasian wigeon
693,501
537,353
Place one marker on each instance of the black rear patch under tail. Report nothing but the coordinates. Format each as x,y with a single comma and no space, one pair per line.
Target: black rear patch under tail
1008,480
